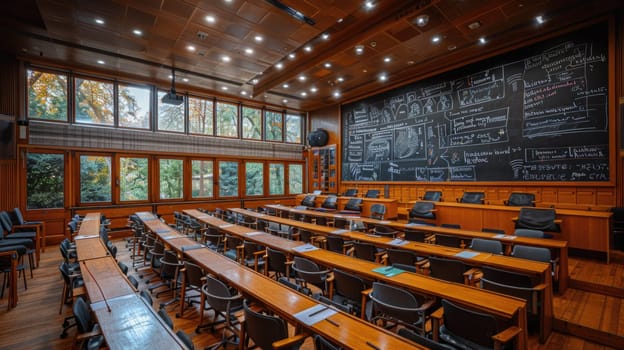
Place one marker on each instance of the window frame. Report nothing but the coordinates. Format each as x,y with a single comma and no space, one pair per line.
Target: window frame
301,128
264,178
189,178
157,174
156,120
69,86
287,175
74,104
238,120
150,181
264,124
78,186
218,178
261,110
151,107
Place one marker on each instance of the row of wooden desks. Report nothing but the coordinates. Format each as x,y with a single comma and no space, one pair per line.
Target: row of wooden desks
559,247
502,306
390,204
126,321
352,332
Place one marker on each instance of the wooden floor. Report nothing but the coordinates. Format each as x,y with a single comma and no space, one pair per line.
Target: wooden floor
36,324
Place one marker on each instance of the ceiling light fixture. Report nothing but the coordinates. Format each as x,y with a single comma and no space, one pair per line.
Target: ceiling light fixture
258,38
387,59
185,80
308,48
99,21
422,20
226,58
292,56
474,25
482,40
190,48
359,49
249,51
340,79
302,78
540,19
383,77
100,62
244,93
255,81
224,88
137,32
436,39
279,65
285,86
313,89
336,94
327,65
284,101
369,5
210,19
304,94
325,36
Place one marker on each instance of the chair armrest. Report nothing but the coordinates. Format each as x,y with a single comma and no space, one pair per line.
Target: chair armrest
514,219
88,335
506,335
290,341
427,305
470,276
436,321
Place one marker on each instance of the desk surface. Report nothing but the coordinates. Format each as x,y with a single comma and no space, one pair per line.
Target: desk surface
104,280
90,225
90,247
132,324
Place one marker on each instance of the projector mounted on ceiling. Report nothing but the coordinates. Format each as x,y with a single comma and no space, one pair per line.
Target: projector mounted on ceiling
171,98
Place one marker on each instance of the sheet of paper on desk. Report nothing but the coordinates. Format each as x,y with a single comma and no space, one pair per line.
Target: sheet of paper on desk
337,232
305,248
398,242
255,233
81,237
314,314
192,247
466,254
162,230
226,226
385,222
500,236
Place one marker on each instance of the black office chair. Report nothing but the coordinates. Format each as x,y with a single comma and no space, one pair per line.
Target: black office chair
353,206
213,239
367,251
434,196
277,262
385,231
372,194
537,254
378,211
538,219
472,198
514,284
346,290
337,244
487,246
422,212
165,317
185,339
253,256
192,281
308,201
329,204
448,240
321,343
395,306
452,270
518,199
226,303
86,325
310,273
351,192
404,257
264,329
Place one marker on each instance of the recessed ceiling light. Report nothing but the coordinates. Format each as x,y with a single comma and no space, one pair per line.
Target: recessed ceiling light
436,39
474,25
210,19
303,93
336,94
137,32
450,48
340,20
170,76
249,51
325,36
359,49
285,101
340,79
540,19
308,48
387,59
422,20
100,62
327,65
302,78
279,65
224,88
99,21
410,62
313,89
226,58
383,77
190,48
185,80
292,56
255,81
285,86
258,38
369,4
244,93
482,40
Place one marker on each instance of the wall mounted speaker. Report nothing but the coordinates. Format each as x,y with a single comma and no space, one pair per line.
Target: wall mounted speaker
318,138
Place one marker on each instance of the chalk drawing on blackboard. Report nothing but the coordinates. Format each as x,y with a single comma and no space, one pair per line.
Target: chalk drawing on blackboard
516,167
378,149
401,112
445,103
364,172
415,109
463,173
409,143
429,106
438,174
388,116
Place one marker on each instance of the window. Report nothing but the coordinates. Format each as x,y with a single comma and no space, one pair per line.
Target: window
295,178
203,177
95,102
228,179
254,178
95,179
200,116
47,95
252,123
134,106
45,180
170,117
171,179
276,178
293,128
227,119
133,179
273,126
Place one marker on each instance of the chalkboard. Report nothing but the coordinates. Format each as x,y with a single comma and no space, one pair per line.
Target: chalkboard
536,114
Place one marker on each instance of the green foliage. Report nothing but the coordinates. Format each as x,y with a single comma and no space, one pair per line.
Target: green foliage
273,126
45,183
227,119
133,179
95,102
252,123
203,177
47,96
293,128
95,179
200,116
134,106
295,178
171,179
276,178
228,179
254,179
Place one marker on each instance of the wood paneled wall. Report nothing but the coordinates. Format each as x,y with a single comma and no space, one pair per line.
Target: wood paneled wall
8,185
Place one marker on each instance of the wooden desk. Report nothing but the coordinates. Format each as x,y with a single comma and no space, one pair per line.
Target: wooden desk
104,280
583,230
90,247
132,324
505,307
391,204
90,225
13,260
559,247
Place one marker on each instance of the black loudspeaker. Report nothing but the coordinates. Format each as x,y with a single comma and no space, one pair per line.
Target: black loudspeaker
318,138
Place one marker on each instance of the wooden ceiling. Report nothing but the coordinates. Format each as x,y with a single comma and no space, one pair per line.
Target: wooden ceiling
394,43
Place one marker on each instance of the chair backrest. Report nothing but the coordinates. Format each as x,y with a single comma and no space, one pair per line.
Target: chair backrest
133,281
354,204
351,192
165,317
357,225
487,245
18,216
448,241
335,244
493,230
308,200
276,260
123,267
364,250
145,294
472,197
419,339
525,232
82,314
538,219
518,199
531,253
330,202
321,343
185,339
447,269
349,286
469,325
394,302
5,221
218,295
193,274
434,196
309,271
400,256
372,194
507,277
422,210
378,211
414,235
264,329
385,231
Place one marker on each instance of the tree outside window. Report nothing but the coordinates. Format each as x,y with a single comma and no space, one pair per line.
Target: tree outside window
227,119
95,179
45,180
202,178
273,126
228,179
293,128
252,123
295,178
254,178
200,116
47,95
133,179
170,117
171,179
134,106
276,179
95,102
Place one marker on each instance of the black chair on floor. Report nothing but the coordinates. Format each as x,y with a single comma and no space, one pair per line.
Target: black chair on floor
378,211
185,339
538,219
487,246
434,196
518,199
337,244
452,270
372,194
321,343
448,241
192,281
472,198
353,206
309,201
264,329
226,303
351,192
367,251
165,318
422,212
310,273
395,306
88,336
277,262
404,257
329,204
385,231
